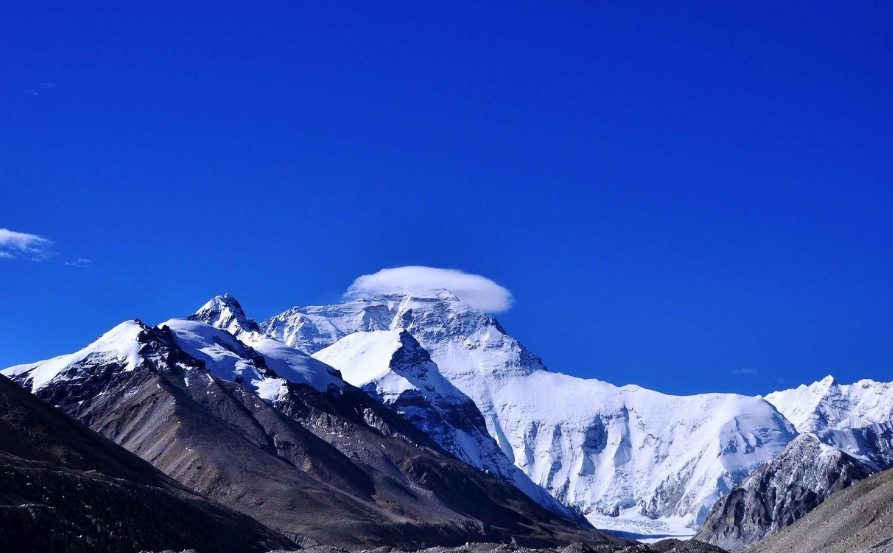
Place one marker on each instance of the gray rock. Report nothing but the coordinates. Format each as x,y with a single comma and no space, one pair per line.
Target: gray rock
780,492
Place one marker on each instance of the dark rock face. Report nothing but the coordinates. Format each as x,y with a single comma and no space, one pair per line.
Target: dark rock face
781,492
65,488
338,467
858,519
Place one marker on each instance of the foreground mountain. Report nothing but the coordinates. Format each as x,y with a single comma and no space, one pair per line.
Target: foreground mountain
64,487
269,431
858,519
631,459
781,492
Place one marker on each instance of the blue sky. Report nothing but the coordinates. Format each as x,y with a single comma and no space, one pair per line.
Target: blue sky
692,197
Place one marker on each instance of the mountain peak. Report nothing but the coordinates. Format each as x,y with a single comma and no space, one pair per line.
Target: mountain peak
225,312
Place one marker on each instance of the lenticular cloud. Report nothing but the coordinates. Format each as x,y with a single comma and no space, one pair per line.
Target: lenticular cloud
476,290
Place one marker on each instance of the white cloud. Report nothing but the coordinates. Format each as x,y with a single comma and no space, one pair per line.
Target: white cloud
475,290
745,371
23,245
79,262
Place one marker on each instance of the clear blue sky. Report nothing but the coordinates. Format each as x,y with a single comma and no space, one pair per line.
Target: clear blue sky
677,196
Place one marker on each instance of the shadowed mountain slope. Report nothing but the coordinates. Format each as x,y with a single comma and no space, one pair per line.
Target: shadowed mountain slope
64,487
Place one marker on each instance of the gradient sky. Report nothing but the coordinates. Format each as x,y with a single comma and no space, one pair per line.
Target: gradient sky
690,198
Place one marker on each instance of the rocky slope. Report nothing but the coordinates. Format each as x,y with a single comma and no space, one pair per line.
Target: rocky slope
266,430
665,546
632,459
858,519
392,367
781,492
65,488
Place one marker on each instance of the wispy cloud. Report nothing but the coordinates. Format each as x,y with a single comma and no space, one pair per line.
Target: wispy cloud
46,86
475,290
21,245
747,371
79,262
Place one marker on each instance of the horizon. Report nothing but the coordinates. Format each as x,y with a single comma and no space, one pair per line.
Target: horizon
691,199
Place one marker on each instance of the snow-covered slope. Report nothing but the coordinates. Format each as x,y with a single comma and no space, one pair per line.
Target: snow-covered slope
219,331
367,360
827,404
392,367
872,444
266,365
856,418
120,344
630,458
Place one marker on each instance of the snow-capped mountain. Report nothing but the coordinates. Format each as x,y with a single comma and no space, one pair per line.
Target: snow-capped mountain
780,492
268,431
827,404
630,458
226,313
393,367
856,418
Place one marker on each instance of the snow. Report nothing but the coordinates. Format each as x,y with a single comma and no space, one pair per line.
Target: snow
642,528
265,366
855,418
225,312
391,365
365,358
633,460
623,453
827,404
118,345
230,359
296,366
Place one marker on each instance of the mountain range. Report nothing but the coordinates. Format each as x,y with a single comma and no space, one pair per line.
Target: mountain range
270,432
409,420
